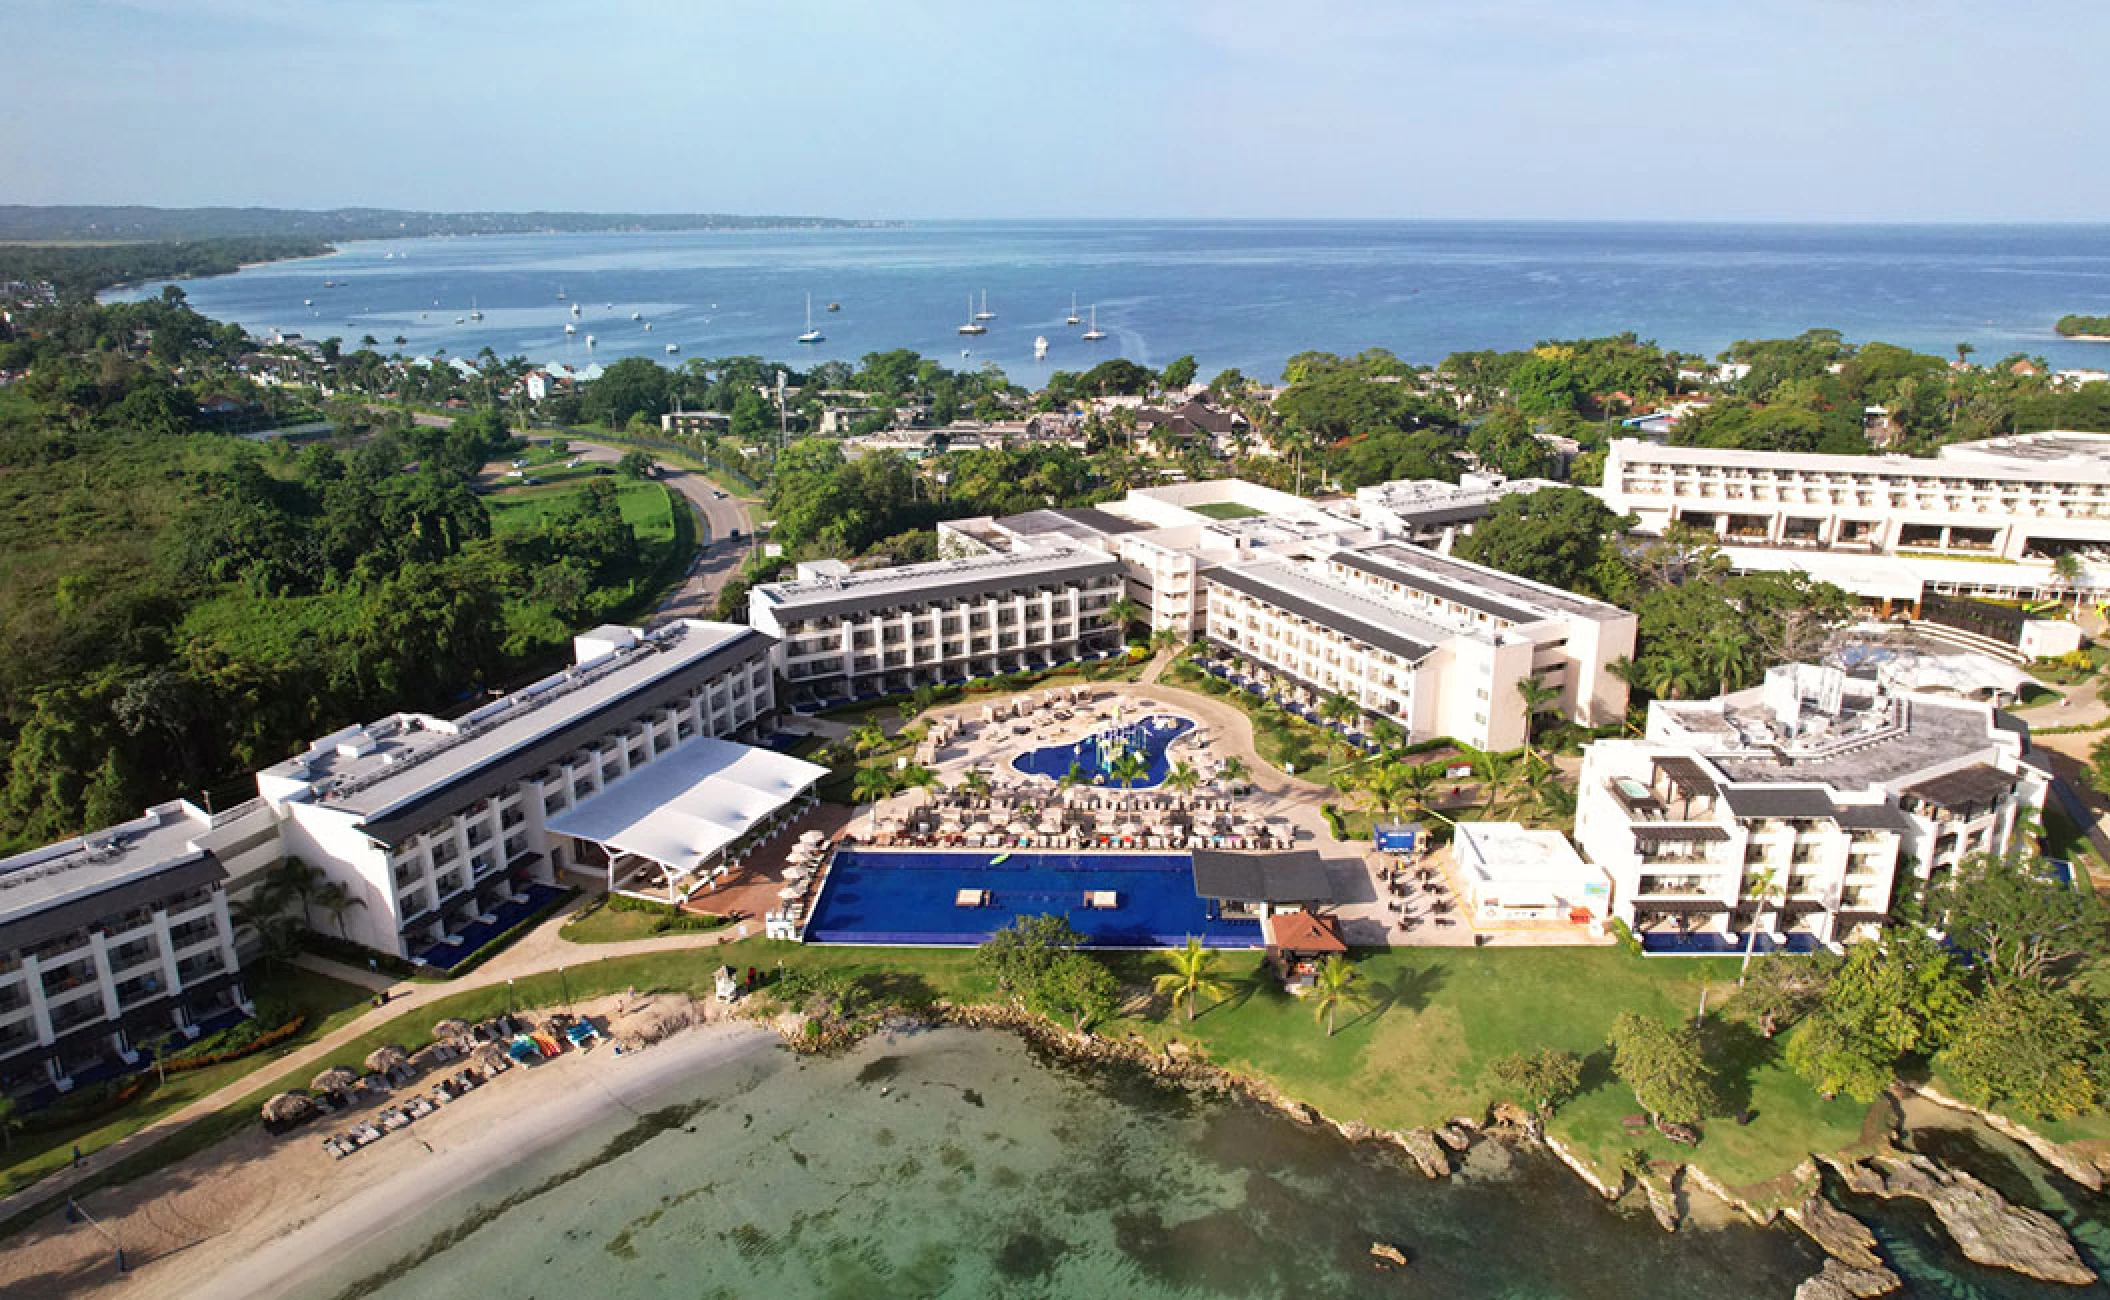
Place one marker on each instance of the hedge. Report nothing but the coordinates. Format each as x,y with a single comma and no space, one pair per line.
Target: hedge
269,1038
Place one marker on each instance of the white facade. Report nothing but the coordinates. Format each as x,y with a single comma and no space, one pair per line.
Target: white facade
428,821
842,635
1513,873
111,942
1800,801
1433,513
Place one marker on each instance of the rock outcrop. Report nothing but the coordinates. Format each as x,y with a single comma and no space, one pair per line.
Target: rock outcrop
1838,1281
1837,1233
1984,1226
1426,1152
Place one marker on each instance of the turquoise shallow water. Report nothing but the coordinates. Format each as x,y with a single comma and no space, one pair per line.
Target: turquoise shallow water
951,1163
1245,294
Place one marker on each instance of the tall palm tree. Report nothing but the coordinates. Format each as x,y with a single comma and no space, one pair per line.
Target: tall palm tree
1496,772
868,738
1388,735
1233,770
1765,889
1128,768
1183,777
2067,570
335,899
1418,785
1341,711
871,785
1192,977
1536,696
976,782
1123,612
1335,986
1727,654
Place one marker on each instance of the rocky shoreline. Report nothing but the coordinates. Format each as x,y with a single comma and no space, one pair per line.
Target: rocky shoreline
1985,1227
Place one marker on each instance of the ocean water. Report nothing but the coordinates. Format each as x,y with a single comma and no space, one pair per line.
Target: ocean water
952,1163
1243,294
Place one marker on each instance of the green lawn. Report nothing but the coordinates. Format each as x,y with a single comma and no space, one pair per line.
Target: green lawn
601,923
327,1003
645,505
1225,510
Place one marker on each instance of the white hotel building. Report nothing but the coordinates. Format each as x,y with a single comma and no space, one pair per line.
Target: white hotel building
114,941
1434,644
437,825
1801,801
842,634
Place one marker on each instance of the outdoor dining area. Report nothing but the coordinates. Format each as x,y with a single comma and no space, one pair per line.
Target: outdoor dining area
1417,893
1016,815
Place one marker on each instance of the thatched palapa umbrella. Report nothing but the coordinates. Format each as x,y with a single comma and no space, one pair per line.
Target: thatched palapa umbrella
335,1079
428,1058
491,1056
383,1059
288,1108
447,1030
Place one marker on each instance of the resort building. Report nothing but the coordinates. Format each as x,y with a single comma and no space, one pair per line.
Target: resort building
1438,646
842,634
1794,807
111,943
448,831
1511,873
1431,512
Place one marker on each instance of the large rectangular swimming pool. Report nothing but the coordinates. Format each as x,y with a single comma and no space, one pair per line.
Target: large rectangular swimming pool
880,896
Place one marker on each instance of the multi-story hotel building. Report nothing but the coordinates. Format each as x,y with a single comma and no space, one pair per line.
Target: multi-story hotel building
1795,806
444,827
113,942
844,634
1433,513
1436,645
2037,494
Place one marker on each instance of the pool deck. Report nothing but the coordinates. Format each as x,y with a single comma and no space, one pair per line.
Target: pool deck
1291,805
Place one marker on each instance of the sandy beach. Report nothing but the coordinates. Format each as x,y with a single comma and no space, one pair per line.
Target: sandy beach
256,1214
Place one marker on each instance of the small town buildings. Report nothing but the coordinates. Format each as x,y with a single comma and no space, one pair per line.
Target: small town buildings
1511,873
1298,943
1796,807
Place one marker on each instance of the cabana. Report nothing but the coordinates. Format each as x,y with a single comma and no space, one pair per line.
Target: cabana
1297,942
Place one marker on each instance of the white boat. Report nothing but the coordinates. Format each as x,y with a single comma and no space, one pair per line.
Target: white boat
1094,334
307,302
972,326
648,327
637,315
673,347
1040,348
1073,318
475,313
985,313
589,340
575,310
570,328
461,320
560,293
811,335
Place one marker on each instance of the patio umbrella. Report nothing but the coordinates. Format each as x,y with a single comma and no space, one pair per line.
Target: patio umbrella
288,1108
334,1079
490,1056
796,873
980,827
1018,826
812,837
790,892
383,1059
1131,829
450,1029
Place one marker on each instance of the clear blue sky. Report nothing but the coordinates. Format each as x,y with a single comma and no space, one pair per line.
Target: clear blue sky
1684,109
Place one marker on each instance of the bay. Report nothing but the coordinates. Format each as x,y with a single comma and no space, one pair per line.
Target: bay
1234,294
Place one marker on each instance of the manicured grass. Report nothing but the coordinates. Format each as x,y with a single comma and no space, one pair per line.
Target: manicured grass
327,1003
1225,510
645,505
604,924
1419,1054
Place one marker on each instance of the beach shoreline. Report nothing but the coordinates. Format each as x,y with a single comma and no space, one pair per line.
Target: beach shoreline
262,1215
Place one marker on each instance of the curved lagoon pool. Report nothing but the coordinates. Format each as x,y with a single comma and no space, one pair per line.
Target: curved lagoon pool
1095,754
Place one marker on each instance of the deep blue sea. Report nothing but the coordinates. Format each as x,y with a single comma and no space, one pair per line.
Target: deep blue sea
1243,294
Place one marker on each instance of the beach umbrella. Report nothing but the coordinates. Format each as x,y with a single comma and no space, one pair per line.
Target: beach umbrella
980,827
335,1079
790,892
1018,826
1131,828
490,1056
450,1029
812,837
383,1059
428,1058
288,1108
796,873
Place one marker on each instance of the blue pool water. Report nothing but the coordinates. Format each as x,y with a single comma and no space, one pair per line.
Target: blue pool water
1152,736
906,897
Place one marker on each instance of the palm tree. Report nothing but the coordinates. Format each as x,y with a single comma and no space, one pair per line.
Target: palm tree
976,782
2067,570
1193,976
1727,653
335,899
1341,711
1183,777
1123,612
1496,772
869,737
1765,889
1418,785
1232,771
1334,987
870,785
1129,768
263,913
917,776
1388,734
1536,695
1074,777
297,882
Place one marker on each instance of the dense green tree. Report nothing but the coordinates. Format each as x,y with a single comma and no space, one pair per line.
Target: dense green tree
1077,988
1561,536
1542,1079
1664,1066
2019,923
1019,957
2025,1046
1891,998
630,387
1179,372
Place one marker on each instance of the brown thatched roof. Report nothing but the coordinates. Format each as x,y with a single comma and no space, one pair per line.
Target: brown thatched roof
335,1079
383,1059
288,1108
450,1029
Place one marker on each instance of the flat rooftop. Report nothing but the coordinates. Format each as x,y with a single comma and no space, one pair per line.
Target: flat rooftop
913,583
1961,461
1081,521
1502,595
1352,611
372,769
88,868
1890,741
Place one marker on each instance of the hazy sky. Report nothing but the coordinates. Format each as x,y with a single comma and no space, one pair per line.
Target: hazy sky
1758,109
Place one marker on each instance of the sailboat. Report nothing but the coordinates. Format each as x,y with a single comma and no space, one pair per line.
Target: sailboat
974,324
1040,347
811,335
474,312
1094,334
570,328
1074,318
985,313
575,311
560,293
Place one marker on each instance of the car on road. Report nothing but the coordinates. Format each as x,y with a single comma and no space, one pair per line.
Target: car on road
716,495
